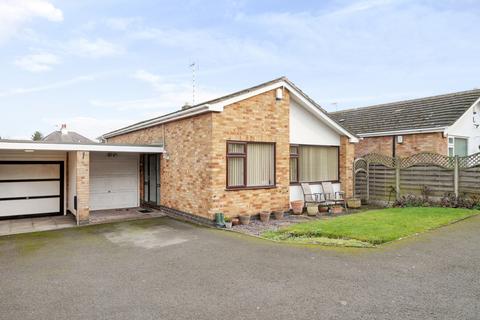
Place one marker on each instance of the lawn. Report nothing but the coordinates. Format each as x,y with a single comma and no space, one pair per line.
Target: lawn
371,227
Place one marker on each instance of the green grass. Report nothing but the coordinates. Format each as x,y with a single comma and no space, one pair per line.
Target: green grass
371,227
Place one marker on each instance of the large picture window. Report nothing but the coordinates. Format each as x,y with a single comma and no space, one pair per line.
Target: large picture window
250,164
313,163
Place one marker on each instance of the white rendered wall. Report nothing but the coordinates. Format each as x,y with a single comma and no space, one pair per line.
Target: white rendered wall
465,128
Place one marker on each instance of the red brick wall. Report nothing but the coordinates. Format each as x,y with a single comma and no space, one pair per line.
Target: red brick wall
412,144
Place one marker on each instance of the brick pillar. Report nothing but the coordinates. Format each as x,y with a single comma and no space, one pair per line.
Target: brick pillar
347,156
83,187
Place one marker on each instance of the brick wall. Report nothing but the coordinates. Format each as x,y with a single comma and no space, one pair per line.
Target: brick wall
259,119
412,144
346,158
83,186
185,176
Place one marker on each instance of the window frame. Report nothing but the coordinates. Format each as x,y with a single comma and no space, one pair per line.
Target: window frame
294,156
244,156
451,145
298,164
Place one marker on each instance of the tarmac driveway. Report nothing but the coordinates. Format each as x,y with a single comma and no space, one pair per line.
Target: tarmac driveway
164,269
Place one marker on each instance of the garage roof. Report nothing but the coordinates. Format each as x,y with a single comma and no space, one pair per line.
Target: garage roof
64,146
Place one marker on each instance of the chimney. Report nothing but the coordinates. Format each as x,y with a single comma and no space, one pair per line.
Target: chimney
63,129
186,106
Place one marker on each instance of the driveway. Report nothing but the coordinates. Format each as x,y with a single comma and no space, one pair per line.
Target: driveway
164,269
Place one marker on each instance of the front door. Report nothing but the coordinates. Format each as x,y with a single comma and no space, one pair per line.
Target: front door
151,170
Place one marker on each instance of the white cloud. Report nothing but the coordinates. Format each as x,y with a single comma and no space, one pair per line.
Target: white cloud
122,24
46,87
37,62
94,48
15,13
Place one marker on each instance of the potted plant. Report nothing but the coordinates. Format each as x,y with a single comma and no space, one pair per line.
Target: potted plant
278,215
336,209
235,221
312,210
323,209
265,216
228,222
354,203
244,219
297,206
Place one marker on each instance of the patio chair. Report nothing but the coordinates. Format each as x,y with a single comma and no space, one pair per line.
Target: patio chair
337,197
310,197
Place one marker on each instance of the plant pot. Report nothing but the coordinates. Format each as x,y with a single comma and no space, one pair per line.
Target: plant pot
323,209
235,222
228,225
336,210
297,206
312,210
245,219
354,203
278,215
264,216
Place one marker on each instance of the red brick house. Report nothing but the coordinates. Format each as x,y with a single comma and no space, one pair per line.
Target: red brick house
448,124
242,153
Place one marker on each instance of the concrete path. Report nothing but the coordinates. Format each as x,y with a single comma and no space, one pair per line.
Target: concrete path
164,269
24,225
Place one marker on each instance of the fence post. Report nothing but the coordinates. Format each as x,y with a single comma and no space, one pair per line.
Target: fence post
455,176
367,176
397,177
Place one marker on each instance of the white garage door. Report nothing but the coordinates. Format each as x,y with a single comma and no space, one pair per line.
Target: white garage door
30,188
113,181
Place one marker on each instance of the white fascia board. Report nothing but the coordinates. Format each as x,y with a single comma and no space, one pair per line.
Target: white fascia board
78,147
400,132
305,102
168,118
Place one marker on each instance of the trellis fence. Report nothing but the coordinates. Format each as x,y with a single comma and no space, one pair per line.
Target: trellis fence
380,178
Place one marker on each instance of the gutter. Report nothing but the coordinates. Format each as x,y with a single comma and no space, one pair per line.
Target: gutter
400,132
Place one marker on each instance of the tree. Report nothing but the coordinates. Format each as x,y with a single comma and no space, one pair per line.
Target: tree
37,136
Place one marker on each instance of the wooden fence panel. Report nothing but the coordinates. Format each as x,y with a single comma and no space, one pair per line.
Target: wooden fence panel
437,179
381,181
469,181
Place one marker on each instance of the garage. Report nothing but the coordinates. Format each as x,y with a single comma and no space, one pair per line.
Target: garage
31,188
114,180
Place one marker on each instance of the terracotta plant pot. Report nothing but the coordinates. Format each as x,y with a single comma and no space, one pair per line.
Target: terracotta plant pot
264,216
354,203
323,209
297,206
235,222
336,210
278,215
312,210
245,219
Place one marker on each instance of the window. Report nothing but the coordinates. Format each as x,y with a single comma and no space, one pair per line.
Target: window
457,147
250,164
313,163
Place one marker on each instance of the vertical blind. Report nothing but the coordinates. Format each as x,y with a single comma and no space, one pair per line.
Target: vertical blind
315,163
256,161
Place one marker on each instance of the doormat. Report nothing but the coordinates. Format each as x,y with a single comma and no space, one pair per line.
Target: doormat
145,210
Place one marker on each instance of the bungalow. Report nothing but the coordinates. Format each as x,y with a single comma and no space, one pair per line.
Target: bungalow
447,124
242,153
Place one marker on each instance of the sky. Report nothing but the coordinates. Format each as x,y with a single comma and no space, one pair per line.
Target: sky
100,65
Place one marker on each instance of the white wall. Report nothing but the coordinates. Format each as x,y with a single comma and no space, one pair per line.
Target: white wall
16,155
464,128
72,181
306,128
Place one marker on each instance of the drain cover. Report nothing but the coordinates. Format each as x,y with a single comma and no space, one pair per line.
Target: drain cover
145,210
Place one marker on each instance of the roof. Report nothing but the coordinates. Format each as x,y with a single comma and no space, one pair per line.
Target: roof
216,105
28,145
425,114
69,136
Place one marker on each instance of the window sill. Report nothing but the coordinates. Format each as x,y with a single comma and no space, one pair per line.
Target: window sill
249,188
313,182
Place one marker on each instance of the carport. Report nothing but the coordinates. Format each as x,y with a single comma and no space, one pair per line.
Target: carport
41,179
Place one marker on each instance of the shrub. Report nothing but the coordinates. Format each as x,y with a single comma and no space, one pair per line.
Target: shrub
449,200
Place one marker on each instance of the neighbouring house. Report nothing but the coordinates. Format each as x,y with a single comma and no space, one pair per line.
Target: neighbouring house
64,135
448,124
242,153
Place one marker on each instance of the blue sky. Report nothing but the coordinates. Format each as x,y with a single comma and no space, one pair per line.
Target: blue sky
100,65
